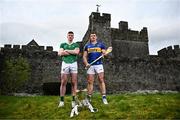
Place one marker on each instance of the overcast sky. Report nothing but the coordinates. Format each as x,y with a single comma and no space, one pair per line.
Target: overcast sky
48,21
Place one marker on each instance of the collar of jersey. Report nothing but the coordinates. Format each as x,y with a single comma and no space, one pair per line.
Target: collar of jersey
70,43
95,43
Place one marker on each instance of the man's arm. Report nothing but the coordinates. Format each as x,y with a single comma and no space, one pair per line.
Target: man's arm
75,51
62,52
85,54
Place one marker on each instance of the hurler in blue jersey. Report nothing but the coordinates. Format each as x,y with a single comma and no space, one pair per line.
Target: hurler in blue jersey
93,50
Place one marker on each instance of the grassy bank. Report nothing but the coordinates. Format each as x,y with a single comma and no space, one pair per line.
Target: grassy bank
131,106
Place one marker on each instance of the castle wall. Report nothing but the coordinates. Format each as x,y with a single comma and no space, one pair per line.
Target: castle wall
143,74
44,64
129,49
44,69
121,73
152,73
1,62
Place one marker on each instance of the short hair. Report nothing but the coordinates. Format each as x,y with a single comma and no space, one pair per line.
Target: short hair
93,32
70,32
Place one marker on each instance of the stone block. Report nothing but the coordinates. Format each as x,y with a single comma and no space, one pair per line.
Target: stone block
41,47
49,48
24,47
170,52
162,52
123,25
16,46
7,46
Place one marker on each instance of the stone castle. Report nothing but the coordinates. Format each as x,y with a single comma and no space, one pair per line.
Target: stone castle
128,68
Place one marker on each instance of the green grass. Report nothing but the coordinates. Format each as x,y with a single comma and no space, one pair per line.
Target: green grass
121,106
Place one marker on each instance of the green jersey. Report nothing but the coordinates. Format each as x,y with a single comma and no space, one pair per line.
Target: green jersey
69,58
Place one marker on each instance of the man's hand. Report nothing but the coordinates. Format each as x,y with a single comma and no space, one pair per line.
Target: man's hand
87,66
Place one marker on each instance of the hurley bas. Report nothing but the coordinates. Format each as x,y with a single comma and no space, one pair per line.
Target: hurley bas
82,101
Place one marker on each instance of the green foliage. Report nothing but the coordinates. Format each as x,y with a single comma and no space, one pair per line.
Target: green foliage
121,106
15,72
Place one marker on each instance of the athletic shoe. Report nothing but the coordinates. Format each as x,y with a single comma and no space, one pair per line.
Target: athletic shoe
61,104
73,103
104,101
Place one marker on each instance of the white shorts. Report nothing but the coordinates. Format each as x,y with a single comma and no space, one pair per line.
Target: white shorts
68,68
95,69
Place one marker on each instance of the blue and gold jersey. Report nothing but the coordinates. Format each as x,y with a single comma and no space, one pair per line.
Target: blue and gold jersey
94,51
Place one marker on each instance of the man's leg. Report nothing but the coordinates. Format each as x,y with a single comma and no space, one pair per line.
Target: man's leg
102,87
73,87
101,83
74,73
90,79
74,83
63,84
63,88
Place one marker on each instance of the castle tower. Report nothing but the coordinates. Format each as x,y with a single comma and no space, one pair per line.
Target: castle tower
101,25
129,43
125,42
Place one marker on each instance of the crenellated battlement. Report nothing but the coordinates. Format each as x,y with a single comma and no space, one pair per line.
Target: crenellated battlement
169,52
123,25
27,47
7,46
96,21
16,46
96,17
49,48
32,49
129,43
124,33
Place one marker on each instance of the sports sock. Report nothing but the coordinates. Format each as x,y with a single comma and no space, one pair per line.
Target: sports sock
73,98
62,98
104,96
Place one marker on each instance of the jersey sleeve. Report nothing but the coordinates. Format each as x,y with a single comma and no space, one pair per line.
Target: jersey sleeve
62,45
85,47
103,46
76,45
